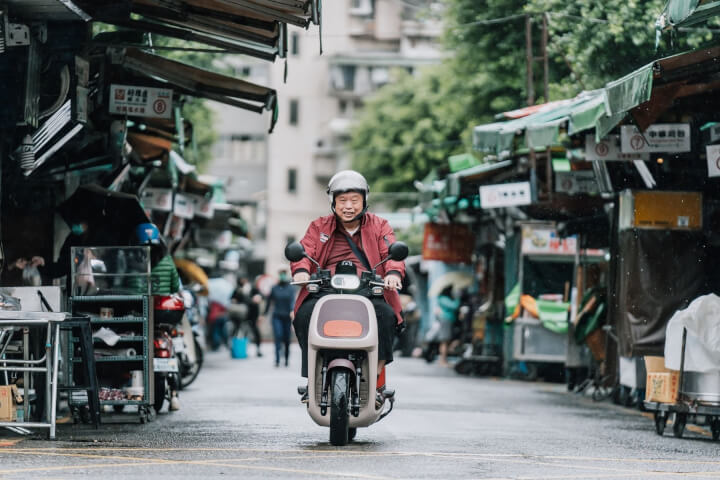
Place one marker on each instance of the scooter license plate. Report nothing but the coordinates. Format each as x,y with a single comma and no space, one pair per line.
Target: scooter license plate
165,365
179,344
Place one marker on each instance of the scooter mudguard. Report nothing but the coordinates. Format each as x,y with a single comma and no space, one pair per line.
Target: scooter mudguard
347,323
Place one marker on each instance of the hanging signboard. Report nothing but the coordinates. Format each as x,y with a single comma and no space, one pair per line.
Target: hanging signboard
713,160
449,243
141,101
203,207
576,182
545,241
157,199
608,150
660,138
184,206
505,195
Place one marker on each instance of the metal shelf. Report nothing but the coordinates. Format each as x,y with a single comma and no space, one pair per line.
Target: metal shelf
136,358
126,319
123,402
128,338
109,298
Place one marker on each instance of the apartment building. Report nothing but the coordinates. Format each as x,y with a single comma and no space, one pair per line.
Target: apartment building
362,42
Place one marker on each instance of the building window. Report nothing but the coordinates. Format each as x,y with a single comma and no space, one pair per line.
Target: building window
292,180
295,43
342,105
294,112
362,8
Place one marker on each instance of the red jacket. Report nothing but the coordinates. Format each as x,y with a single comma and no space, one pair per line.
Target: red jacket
376,234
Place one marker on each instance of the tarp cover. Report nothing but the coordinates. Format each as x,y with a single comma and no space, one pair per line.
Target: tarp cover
702,346
659,272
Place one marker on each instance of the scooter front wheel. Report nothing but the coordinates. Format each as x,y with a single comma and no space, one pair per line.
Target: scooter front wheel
339,413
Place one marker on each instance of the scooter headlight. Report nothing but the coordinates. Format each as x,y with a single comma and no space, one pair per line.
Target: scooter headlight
313,288
377,291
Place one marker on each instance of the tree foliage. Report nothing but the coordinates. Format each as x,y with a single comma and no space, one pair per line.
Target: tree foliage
603,41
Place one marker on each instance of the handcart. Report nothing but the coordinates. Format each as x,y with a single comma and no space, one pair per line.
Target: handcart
692,407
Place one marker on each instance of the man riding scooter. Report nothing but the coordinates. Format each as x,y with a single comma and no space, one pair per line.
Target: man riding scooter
351,233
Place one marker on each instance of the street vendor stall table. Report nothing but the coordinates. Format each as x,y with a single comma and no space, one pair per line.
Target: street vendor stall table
26,323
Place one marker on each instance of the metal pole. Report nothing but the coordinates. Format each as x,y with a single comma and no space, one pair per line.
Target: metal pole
53,402
682,362
546,60
26,374
529,60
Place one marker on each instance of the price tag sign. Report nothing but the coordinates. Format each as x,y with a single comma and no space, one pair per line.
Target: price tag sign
141,101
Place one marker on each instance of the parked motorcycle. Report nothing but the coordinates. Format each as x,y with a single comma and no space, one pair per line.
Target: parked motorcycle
169,344
191,360
343,348
165,367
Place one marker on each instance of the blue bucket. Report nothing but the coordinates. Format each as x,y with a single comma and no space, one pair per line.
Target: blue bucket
239,347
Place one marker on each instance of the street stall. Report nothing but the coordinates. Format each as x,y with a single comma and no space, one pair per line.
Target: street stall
540,318
111,285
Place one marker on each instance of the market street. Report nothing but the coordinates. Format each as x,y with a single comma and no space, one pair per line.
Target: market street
242,419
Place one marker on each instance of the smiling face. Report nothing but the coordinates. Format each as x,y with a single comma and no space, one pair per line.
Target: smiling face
348,206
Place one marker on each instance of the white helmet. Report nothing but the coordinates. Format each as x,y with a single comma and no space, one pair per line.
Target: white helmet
347,181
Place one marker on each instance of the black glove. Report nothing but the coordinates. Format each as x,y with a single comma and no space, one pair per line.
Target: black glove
400,327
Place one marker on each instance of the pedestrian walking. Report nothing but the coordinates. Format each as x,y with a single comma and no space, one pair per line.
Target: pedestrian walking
248,294
282,300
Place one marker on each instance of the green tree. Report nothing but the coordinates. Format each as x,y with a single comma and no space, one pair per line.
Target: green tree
408,129
602,41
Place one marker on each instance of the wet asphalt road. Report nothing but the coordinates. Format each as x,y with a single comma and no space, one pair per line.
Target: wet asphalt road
242,419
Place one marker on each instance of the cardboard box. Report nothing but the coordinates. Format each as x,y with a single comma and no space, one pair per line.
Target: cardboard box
662,384
8,408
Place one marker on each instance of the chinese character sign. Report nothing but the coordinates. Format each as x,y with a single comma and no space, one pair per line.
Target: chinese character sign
141,101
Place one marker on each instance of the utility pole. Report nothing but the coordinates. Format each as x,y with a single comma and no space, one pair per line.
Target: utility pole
529,60
546,93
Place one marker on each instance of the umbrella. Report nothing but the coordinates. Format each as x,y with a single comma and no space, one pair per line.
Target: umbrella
456,280
114,212
193,272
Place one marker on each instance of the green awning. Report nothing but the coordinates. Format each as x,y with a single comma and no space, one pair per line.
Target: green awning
629,91
462,161
682,13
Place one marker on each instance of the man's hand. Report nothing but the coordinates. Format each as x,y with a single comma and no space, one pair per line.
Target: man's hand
37,262
393,282
301,277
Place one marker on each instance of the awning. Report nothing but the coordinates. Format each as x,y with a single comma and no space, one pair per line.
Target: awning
252,27
202,83
682,13
646,93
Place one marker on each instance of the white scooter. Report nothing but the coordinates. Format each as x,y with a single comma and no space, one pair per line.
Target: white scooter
343,347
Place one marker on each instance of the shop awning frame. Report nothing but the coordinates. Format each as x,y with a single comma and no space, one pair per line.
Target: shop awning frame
202,83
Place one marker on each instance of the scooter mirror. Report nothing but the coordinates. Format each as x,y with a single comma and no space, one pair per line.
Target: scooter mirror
398,251
294,252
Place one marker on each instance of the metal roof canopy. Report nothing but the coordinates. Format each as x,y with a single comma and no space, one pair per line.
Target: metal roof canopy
53,10
683,13
202,83
645,92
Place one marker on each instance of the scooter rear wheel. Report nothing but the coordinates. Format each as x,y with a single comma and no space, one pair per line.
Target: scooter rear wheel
339,414
160,391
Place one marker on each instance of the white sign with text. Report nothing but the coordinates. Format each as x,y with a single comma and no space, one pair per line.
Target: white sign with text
660,138
505,195
141,101
608,150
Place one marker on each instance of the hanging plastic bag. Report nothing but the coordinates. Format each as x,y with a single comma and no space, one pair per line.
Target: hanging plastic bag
702,347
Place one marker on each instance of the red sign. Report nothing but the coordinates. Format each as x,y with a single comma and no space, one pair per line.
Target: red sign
449,243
